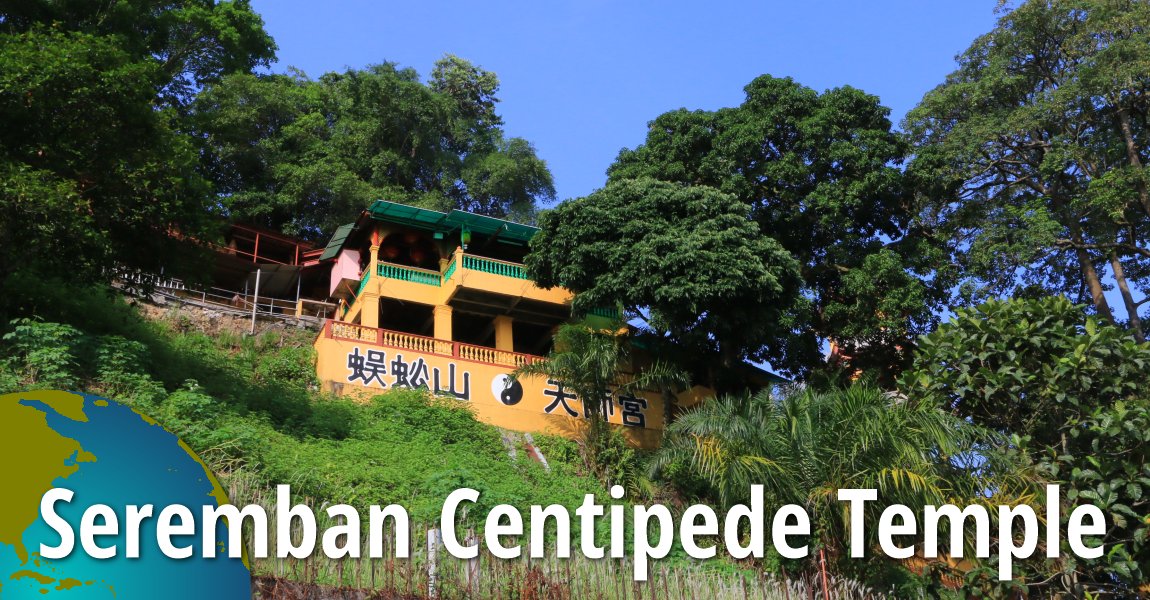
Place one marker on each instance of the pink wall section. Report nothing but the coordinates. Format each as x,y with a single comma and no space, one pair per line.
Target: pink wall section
346,267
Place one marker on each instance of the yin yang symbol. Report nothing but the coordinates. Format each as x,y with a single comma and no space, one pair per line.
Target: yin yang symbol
507,390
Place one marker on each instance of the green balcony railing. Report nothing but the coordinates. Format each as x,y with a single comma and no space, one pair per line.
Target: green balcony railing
358,291
609,313
450,270
362,283
495,267
402,273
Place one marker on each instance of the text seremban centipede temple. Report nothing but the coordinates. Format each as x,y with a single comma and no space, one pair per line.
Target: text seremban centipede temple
649,534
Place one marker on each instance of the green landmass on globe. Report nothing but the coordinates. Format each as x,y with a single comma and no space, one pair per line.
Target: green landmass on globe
106,453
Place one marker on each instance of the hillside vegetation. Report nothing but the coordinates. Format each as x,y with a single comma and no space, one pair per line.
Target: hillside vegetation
250,406
251,402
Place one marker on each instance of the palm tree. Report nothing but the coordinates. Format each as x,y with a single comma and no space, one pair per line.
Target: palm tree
591,363
805,445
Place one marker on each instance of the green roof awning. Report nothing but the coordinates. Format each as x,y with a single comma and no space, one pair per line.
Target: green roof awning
434,220
382,210
337,240
490,226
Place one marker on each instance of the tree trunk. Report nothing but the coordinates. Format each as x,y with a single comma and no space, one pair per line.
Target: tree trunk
669,402
727,380
1133,156
1085,264
1093,282
1127,298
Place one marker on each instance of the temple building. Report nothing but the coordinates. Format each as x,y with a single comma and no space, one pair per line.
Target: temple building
442,301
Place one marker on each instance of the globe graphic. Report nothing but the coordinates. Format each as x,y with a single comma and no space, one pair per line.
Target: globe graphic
105,453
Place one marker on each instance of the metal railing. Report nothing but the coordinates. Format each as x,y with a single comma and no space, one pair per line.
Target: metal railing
238,301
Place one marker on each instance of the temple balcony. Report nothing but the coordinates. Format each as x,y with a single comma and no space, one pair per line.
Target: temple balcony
419,344
486,285
466,280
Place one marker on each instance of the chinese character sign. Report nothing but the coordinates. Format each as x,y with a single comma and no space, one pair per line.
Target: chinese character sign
528,404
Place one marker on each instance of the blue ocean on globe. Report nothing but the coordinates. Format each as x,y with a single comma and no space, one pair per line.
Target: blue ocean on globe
106,453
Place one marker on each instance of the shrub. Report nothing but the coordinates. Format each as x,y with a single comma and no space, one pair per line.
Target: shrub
45,354
1027,366
287,366
121,374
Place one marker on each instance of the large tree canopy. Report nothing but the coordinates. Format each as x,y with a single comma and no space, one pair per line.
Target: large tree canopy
95,170
688,257
818,175
1034,155
190,42
304,156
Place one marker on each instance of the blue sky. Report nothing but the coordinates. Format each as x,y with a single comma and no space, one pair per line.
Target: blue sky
581,79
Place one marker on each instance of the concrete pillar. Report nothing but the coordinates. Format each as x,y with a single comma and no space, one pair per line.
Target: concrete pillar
504,339
373,264
369,311
369,297
443,322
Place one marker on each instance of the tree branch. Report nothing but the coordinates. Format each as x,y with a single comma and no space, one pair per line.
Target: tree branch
1068,243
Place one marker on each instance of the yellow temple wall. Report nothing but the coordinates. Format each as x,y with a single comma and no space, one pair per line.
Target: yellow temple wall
361,362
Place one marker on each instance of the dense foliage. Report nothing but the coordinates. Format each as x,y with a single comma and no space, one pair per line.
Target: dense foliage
1071,393
190,43
686,257
127,128
819,173
804,445
249,404
304,156
1016,205
590,360
1033,155
1021,366
95,169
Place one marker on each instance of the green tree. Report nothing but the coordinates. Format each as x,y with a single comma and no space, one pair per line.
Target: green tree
272,156
591,363
304,156
507,181
1033,154
191,43
686,258
473,90
804,445
1110,469
1027,367
820,175
1068,389
95,167
92,173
